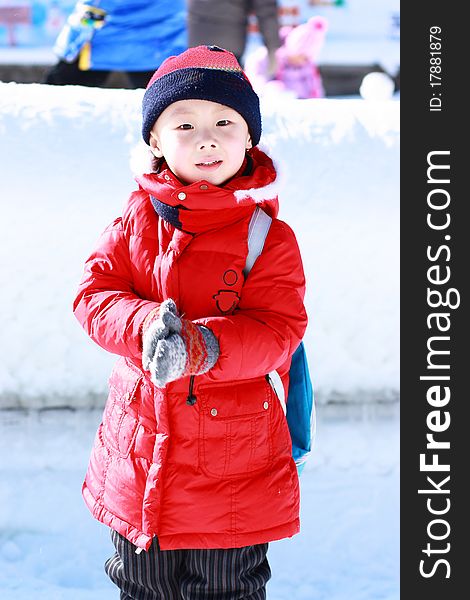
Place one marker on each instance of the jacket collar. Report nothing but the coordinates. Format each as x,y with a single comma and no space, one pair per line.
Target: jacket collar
202,206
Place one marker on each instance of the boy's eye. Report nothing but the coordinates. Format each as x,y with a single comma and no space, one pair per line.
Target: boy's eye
223,122
185,126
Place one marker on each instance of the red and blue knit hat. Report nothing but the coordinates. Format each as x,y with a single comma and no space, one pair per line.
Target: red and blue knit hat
201,73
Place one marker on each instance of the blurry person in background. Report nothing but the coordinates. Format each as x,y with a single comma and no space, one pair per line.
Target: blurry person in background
297,73
225,22
133,36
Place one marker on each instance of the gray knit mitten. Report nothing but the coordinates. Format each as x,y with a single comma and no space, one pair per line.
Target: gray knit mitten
192,351
158,324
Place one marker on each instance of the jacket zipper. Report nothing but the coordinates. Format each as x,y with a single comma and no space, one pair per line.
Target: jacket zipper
191,399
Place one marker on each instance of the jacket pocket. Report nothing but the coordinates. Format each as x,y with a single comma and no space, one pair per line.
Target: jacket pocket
235,419
120,419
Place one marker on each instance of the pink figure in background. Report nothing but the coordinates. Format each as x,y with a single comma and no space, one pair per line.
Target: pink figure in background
296,71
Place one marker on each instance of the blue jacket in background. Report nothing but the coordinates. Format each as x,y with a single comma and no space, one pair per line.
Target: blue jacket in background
138,35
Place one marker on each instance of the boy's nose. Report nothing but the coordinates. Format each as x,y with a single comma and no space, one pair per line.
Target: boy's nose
206,145
207,139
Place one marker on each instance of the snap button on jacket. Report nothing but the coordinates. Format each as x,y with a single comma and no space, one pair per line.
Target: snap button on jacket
217,473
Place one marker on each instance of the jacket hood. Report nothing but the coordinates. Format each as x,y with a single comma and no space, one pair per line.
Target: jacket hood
215,204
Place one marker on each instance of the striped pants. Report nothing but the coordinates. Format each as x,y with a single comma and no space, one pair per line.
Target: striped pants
231,574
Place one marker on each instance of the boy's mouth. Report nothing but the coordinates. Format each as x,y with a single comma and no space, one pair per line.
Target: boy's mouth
209,164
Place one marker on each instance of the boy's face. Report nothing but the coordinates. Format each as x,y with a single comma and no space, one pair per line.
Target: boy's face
201,140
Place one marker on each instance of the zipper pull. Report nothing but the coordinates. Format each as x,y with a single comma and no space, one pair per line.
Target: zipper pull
191,399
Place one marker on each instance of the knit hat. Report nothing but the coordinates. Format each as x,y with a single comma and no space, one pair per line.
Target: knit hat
201,73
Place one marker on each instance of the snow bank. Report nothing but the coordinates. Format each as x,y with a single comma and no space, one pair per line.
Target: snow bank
65,175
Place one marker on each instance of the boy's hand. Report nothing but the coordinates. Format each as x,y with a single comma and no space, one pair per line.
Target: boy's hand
193,351
169,360
159,324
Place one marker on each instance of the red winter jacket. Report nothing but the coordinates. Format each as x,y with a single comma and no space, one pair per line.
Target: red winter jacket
218,474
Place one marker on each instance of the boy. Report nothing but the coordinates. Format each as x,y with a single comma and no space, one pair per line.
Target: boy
192,462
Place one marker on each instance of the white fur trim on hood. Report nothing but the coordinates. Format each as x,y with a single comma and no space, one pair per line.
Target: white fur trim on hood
268,192
141,159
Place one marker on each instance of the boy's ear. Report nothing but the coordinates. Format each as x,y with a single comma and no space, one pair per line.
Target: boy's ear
249,143
155,146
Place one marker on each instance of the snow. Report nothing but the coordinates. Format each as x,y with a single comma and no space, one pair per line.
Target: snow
52,549
65,175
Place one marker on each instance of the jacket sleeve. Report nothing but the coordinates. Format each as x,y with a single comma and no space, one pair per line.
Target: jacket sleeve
106,305
270,320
